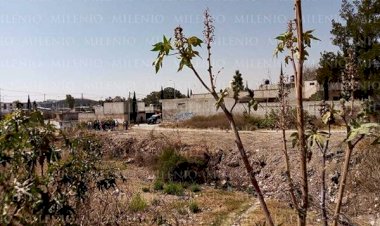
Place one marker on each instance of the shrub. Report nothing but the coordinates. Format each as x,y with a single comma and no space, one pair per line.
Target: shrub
137,203
173,189
167,161
46,175
194,208
173,167
195,188
158,185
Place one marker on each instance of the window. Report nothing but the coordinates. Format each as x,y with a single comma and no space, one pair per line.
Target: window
312,83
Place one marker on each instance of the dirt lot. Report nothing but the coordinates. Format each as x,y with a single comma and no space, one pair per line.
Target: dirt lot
234,204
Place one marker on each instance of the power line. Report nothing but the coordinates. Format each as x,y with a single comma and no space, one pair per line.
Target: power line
45,96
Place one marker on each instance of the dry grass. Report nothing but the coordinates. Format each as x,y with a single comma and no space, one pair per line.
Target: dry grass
219,121
218,207
281,213
368,171
221,207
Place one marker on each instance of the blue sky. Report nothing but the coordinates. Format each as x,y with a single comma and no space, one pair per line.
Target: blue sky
102,48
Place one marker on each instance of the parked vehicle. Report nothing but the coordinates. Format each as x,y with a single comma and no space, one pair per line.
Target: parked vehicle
154,119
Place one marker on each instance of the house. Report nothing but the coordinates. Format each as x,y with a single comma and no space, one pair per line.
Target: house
120,111
64,120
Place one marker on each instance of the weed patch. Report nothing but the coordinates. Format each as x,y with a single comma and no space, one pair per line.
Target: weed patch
173,189
195,188
194,208
158,185
137,203
172,166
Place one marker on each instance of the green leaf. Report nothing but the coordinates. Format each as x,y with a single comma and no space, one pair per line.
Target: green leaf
196,53
195,41
281,37
183,62
366,129
326,117
157,47
166,46
158,62
294,137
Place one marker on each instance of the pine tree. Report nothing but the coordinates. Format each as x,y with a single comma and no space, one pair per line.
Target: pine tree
29,105
134,107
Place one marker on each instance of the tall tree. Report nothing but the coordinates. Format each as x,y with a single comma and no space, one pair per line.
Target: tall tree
29,104
360,31
167,93
70,101
331,66
134,107
162,94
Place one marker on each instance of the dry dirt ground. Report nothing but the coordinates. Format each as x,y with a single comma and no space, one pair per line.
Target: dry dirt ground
231,205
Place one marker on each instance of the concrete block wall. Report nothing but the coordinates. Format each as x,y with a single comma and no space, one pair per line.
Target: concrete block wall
115,108
182,109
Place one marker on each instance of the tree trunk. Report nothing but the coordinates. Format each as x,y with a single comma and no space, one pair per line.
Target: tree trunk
326,89
323,178
323,190
288,174
249,168
302,213
342,184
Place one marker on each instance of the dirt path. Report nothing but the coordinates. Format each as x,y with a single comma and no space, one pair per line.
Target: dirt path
244,218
